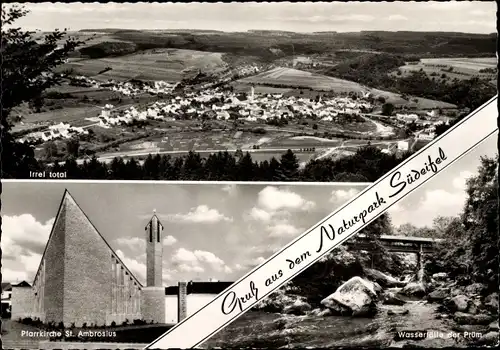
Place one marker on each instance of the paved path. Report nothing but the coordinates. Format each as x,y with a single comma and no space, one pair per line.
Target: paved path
382,130
331,150
12,338
90,345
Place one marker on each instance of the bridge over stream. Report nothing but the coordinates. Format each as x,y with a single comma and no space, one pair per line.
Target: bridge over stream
399,244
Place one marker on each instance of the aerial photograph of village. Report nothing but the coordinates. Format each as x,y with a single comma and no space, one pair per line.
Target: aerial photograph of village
234,98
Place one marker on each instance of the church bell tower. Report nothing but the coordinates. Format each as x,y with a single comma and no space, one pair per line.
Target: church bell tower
154,252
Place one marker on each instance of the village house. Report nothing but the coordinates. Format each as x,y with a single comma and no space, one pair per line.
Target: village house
6,299
403,145
57,131
407,118
251,108
427,134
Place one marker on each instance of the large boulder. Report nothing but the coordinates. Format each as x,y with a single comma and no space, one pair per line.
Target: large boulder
416,289
377,288
470,328
398,312
491,303
465,318
440,276
475,306
357,295
383,279
475,288
286,322
438,295
460,303
320,312
391,298
490,338
338,309
281,301
407,277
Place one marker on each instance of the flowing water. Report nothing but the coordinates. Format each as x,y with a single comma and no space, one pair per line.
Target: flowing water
259,329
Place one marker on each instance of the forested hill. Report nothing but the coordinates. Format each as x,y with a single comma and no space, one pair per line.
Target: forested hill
374,70
426,44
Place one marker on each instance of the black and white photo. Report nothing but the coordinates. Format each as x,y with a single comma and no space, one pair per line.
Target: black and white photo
141,249
237,91
424,274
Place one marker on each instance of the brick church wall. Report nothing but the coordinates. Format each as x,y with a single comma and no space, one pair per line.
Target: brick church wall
53,284
87,271
22,302
153,304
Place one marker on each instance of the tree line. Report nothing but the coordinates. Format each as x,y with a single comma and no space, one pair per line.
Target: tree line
469,250
366,165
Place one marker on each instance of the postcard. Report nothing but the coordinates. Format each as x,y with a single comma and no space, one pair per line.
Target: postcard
249,175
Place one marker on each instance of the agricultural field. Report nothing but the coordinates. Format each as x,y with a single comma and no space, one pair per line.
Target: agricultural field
416,103
66,115
302,142
453,68
357,127
88,37
187,141
358,142
419,144
272,144
293,78
175,137
354,128
463,63
240,87
159,64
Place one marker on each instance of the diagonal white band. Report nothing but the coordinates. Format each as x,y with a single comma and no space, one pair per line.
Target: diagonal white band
333,230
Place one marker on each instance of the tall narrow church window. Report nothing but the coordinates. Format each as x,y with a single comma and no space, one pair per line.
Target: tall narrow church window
158,232
151,232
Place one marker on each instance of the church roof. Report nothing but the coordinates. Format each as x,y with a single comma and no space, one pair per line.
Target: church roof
22,284
194,287
68,200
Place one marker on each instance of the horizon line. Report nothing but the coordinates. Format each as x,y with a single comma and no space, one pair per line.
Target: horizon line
265,30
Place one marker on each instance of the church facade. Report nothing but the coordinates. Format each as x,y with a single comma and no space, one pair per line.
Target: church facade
82,281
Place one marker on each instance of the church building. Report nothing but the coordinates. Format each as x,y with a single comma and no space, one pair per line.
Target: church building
81,280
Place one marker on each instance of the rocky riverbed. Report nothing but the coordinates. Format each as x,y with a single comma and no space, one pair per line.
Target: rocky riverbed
374,311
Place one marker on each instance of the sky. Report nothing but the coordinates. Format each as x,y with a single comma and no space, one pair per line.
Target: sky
213,231
444,194
449,16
